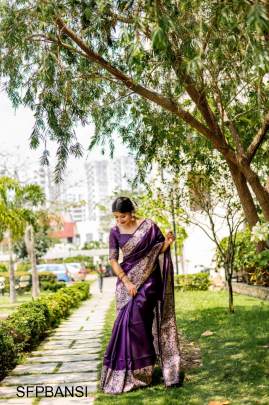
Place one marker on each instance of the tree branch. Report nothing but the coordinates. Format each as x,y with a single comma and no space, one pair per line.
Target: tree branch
258,139
165,102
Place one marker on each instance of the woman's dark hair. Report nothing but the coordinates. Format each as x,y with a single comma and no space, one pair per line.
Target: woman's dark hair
123,204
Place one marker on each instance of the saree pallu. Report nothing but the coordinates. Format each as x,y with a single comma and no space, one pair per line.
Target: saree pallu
145,331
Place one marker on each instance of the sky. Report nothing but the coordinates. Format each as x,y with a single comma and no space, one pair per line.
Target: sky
16,127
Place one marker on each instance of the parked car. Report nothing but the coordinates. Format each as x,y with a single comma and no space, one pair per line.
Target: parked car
60,270
77,270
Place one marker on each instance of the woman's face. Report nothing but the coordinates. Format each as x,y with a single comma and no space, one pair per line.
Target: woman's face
123,218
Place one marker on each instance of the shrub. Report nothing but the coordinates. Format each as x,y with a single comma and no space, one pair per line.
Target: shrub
23,267
253,264
3,268
29,323
8,350
192,282
47,276
51,286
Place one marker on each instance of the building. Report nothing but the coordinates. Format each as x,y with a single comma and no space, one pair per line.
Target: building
105,177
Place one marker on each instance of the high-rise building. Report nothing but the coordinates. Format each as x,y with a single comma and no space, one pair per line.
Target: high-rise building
104,177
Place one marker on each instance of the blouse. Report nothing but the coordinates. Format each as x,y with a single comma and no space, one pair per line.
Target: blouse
116,241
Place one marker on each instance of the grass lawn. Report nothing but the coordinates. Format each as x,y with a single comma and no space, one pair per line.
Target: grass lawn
6,307
234,360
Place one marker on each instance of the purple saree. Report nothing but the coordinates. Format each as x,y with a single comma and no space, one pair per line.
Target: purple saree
145,330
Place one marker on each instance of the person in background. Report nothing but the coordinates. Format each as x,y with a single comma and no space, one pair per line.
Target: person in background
101,273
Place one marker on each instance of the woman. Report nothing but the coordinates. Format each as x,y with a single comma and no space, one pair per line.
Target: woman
145,329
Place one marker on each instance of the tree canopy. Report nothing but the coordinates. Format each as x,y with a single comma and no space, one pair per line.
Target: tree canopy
169,76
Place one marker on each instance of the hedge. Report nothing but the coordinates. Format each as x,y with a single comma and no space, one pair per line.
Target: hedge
192,282
30,322
3,268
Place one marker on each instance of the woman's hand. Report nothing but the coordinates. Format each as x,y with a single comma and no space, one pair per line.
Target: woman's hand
131,288
169,238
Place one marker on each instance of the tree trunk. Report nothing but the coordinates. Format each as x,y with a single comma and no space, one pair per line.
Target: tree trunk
12,289
244,194
30,246
259,190
246,200
230,290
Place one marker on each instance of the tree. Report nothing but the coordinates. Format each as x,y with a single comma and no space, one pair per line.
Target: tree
160,72
42,239
211,204
15,216
162,208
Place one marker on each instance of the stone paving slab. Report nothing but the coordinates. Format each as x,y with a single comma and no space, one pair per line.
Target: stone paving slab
67,342
55,344
50,378
34,368
63,358
56,352
79,366
88,341
75,333
89,327
80,336
86,345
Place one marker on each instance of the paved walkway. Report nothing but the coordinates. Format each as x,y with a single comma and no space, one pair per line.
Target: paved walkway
67,359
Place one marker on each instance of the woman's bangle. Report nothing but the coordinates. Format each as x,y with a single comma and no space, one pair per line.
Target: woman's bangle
121,275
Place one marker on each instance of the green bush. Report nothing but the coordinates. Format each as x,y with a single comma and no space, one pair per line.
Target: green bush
3,268
30,322
51,286
8,350
47,276
23,267
254,265
192,282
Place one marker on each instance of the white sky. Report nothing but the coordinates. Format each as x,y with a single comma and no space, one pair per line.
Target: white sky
16,127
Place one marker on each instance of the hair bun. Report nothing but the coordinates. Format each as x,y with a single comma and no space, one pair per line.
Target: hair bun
123,204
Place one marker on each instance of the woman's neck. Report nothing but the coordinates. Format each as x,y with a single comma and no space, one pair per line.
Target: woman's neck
131,226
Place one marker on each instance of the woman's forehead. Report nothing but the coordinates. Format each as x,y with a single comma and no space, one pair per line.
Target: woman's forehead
120,213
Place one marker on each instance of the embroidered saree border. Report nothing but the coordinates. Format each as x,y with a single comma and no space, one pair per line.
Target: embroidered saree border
138,275
131,243
118,381
168,342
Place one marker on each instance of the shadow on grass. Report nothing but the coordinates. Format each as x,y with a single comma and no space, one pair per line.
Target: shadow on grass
235,363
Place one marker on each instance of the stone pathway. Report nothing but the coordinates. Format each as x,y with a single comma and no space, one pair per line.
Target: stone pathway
67,360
